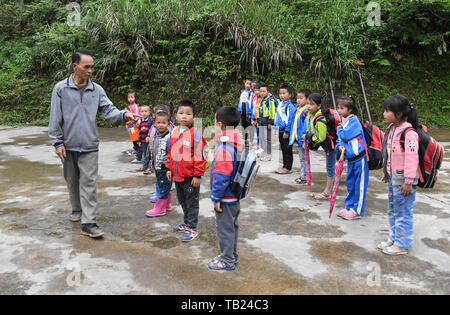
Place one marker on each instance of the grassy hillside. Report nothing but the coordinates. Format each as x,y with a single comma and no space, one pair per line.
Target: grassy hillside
203,50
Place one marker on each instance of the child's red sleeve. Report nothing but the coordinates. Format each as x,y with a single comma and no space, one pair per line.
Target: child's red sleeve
200,158
170,159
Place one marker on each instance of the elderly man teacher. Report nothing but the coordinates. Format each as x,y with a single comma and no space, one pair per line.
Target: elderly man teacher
73,129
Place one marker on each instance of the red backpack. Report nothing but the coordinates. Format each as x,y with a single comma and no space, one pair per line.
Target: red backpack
374,138
431,154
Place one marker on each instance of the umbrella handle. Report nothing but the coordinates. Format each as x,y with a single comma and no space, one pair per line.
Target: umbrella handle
342,153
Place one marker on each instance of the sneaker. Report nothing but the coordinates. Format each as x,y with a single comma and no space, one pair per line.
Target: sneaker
301,181
75,216
189,235
135,161
92,230
180,228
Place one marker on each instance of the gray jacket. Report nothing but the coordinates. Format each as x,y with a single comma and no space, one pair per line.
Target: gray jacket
73,121
157,150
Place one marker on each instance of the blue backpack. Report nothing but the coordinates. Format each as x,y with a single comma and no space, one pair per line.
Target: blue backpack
245,170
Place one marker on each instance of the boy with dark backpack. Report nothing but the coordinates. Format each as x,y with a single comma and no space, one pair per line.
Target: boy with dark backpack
226,202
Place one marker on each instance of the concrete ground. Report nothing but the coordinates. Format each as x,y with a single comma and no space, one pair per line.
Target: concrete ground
287,243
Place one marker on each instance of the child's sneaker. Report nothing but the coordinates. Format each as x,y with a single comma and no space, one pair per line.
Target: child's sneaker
180,228
189,235
301,181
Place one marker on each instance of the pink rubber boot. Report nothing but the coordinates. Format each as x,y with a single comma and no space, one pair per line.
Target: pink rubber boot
159,210
168,204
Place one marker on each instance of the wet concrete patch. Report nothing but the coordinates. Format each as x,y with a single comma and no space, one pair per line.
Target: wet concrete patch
11,284
287,244
442,244
167,242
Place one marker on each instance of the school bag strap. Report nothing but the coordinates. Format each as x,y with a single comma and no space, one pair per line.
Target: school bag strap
205,150
402,143
365,147
321,118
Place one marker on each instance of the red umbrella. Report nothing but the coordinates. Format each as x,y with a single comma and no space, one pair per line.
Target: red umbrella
308,169
339,169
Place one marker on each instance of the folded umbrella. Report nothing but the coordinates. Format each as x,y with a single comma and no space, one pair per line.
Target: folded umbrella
308,168
339,169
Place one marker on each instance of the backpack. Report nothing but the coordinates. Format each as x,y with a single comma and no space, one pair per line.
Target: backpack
374,138
431,154
331,119
245,171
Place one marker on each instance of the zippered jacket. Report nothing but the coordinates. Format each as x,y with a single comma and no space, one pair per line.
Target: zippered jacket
185,159
224,166
73,121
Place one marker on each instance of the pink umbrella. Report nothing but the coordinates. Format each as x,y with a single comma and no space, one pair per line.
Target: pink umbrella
339,169
308,169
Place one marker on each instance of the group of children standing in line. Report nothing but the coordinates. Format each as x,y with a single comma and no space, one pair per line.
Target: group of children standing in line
177,154
307,124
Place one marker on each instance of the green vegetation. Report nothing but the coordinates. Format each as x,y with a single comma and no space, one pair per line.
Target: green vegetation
203,50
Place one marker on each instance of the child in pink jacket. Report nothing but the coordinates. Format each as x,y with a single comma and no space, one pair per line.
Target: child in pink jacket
401,171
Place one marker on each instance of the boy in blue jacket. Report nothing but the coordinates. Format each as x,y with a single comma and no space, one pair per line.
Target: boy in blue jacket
284,111
245,110
297,127
226,204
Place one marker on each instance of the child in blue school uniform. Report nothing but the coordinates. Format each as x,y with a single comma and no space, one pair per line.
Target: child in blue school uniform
297,127
351,138
244,107
284,111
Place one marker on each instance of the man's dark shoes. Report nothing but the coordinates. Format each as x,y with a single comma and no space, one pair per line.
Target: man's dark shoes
75,216
91,230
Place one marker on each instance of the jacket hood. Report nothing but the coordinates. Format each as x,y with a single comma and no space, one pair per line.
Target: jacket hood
231,137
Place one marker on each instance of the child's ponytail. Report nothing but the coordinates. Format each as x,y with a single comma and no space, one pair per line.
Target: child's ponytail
413,119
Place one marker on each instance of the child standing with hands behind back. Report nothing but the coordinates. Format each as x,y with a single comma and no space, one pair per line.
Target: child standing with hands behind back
401,172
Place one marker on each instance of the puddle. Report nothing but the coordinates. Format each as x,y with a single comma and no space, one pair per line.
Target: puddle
166,243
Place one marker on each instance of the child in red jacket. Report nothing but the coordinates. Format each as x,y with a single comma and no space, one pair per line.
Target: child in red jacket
186,163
